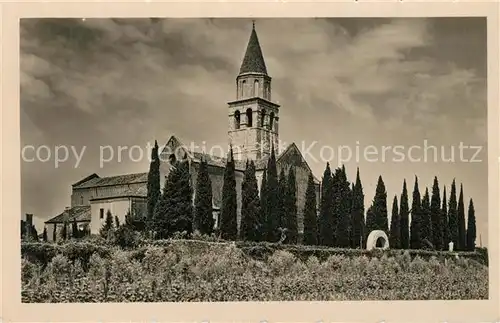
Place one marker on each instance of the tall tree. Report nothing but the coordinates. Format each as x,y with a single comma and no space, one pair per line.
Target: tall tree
343,204
273,214
250,205
290,202
462,235
311,232
453,217
404,214
425,223
174,210
358,213
153,186
371,224
203,217
263,207
64,231
471,228
380,207
107,226
326,209
444,221
395,232
415,218
54,233
44,235
228,217
282,191
436,216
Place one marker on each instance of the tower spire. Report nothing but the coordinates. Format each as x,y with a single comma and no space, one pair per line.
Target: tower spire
253,62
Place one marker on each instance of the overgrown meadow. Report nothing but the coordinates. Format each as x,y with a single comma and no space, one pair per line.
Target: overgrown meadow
92,270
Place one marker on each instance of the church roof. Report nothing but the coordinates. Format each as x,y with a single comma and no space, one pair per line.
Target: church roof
95,181
253,62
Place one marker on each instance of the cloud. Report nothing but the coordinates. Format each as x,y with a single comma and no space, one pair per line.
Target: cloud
129,81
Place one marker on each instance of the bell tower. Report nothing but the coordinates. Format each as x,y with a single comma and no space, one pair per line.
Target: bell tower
253,117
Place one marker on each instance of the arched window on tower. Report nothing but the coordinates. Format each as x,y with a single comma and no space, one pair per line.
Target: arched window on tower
262,117
256,88
271,120
249,118
237,119
243,86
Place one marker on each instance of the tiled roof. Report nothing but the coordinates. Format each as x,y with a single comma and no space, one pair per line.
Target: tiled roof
253,60
78,213
113,180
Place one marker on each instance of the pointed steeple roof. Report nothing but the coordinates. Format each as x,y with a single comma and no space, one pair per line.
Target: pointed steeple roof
253,60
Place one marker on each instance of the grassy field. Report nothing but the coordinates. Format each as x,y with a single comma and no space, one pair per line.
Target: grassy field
203,271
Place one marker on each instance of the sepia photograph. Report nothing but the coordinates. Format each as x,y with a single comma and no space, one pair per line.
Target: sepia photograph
253,159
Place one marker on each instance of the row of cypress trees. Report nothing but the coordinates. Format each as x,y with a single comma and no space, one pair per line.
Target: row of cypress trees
271,214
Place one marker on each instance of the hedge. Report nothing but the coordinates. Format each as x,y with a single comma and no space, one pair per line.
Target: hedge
82,250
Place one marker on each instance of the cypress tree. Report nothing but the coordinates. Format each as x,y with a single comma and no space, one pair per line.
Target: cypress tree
250,205
203,217
336,207
153,186
44,235
311,232
344,210
117,222
174,210
282,191
273,220
263,206
404,214
395,232
444,222
229,220
425,223
462,235
415,218
452,216
358,213
371,224
436,217
54,233
64,231
471,228
380,207
107,226
290,203
326,209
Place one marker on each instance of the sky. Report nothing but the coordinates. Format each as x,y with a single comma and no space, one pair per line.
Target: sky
362,83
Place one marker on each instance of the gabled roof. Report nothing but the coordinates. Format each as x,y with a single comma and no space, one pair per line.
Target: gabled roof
78,213
253,62
86,179
240,165
111,180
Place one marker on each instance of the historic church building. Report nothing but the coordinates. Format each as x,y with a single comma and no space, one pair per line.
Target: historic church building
253,129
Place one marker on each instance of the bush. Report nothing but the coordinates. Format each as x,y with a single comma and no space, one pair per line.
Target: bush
193,270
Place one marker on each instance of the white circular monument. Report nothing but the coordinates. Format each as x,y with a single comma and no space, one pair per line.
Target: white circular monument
377,236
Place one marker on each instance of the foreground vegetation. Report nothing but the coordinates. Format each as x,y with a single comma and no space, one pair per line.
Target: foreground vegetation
192,270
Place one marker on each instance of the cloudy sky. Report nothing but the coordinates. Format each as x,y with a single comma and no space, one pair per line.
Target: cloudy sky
356,82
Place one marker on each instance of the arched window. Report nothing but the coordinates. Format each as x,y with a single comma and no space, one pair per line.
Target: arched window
256,88
249,118
243,86
237,118
81,199
262,117
271,120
